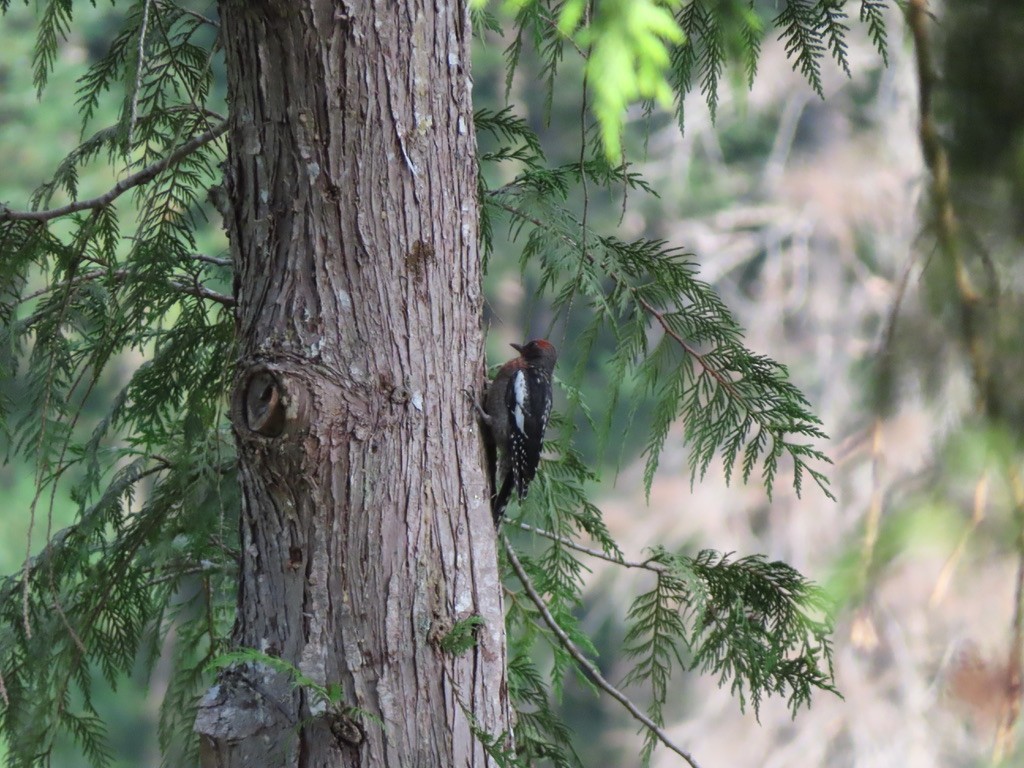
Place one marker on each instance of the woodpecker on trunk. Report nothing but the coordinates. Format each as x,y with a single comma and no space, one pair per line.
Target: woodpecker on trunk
516,410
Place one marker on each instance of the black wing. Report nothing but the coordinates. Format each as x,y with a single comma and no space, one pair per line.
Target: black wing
528,398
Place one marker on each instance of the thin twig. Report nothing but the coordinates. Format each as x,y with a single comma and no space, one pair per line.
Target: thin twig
74,282
133,112
205,567
945,576
875,505
894,310
586,664
554,25
202,292
647,565
198,289
1004,740
83,238
196,15
136,179
721,378
61,465
211,260
583,185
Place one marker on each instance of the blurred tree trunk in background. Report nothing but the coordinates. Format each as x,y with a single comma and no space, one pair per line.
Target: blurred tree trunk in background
352,213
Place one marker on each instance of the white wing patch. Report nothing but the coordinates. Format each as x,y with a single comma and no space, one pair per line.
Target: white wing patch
522,399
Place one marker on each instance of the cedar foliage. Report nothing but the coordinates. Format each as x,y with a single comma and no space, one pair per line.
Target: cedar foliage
148,565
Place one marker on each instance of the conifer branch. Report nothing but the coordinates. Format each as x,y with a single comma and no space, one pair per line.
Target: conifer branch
136,179
754,415
588,667
717,375
65,304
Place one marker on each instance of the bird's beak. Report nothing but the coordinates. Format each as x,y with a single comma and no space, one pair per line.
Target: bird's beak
517,347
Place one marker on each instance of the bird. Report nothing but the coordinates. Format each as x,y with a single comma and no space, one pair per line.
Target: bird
517,405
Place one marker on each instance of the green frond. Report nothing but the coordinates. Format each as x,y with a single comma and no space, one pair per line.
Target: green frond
521,142
483,21
751,34
872,14
109,69
832,21
760,627
628,58
54,27
763,627
798,22
109,573
701,57
540,733
536,24
462,636
654,641
119,576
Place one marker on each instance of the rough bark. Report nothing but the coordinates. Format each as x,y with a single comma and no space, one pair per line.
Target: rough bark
365,525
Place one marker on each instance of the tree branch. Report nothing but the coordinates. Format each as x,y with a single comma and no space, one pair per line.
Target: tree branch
586,664
136,179
969,305
200,291
647,565
119,274
196,15
217,262
946,222
139,69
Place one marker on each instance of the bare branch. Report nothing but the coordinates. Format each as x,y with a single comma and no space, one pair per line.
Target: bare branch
202,292
139,68
211,260
206,566
647,565
585,664
195,15
136,179
119,274
947,225
197,289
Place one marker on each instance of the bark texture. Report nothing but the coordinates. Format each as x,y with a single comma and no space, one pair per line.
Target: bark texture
366,531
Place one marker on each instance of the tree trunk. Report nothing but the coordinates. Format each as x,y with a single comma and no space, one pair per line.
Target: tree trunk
366,532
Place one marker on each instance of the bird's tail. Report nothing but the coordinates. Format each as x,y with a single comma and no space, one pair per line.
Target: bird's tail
500,499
